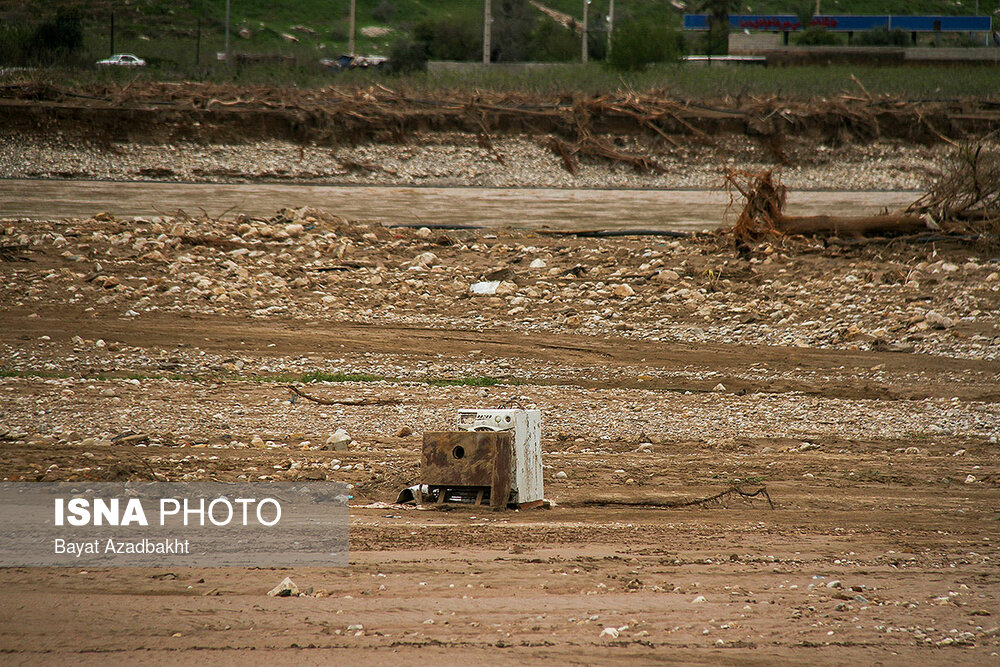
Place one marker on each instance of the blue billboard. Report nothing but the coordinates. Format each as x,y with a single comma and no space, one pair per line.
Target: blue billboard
846,23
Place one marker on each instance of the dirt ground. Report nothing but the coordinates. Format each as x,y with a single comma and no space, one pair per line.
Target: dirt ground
856,380
877,442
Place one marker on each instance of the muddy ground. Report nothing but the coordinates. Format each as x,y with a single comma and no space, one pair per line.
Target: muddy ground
857,382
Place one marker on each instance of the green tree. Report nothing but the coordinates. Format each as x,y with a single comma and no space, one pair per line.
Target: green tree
636,44
450,39
551,42
57,38
717,38
513,23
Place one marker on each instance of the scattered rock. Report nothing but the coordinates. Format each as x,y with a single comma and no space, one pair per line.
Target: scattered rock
623,291
666,276
937,320
339,440
488,287
426,259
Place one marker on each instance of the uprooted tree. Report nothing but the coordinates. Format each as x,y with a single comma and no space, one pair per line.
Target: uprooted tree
965,201
763,214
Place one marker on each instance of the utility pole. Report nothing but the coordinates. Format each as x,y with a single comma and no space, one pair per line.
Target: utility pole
227,31
350,40
487,30
583,43
197,43
816,13
611,23
112,36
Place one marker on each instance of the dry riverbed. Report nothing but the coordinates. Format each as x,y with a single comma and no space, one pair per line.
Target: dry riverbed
859,383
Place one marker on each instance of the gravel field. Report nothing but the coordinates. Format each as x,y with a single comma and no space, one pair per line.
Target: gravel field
455,159
857,382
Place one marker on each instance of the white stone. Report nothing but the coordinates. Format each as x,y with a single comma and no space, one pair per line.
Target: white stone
339,440
426,259
487,287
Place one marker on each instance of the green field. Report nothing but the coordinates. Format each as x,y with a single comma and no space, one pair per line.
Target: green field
181,39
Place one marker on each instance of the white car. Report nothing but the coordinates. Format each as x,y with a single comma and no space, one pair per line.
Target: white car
122,60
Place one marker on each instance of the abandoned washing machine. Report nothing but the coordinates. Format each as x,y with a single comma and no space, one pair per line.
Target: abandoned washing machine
494,456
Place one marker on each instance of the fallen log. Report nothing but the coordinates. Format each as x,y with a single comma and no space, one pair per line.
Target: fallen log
762,214
323,401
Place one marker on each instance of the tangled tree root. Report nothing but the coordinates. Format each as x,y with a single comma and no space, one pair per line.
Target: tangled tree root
763,215
966,198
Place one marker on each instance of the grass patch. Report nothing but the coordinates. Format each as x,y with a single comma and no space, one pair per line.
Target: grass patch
482,381
315,376
6,373
321,376
682,81
752,480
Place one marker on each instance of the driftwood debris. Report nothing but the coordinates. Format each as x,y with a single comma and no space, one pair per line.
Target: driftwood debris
720,498
965,200
325,401
763,215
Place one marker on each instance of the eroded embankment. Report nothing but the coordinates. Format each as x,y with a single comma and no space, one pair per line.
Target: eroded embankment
163,112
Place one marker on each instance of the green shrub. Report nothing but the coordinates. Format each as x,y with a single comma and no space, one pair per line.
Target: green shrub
552,42
816,36
450,39
14,41
636,44
62,36
384,11
407,55
882,37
